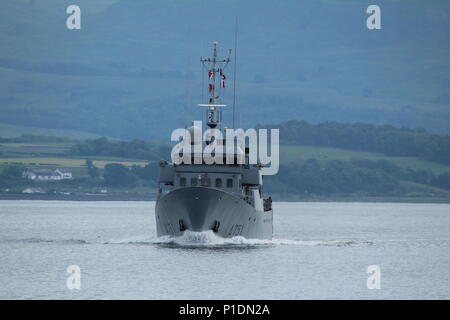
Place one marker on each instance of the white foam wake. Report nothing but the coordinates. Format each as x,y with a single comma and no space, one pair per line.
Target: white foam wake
210,239
207,238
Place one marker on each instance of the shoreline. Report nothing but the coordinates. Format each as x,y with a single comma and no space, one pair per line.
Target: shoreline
78,197
152,197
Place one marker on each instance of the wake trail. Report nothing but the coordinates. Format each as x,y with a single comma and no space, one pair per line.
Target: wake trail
210,239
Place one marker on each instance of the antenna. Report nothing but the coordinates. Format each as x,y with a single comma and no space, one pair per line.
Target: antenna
215,68
234,69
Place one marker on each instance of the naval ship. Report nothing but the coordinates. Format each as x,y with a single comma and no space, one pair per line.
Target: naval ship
224,198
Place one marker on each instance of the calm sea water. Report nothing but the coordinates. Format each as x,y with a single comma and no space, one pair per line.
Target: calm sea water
319,251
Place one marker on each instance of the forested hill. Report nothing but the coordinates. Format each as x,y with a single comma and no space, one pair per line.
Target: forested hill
133,69
386,139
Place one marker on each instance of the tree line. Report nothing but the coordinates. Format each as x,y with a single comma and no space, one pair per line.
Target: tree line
118,175
385,139
34,138
311,177
381,177
112,175
135,149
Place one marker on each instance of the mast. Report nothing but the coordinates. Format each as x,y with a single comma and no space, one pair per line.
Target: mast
215,67
234,69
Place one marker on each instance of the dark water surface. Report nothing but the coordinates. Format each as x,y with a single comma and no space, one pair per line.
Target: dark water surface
319,251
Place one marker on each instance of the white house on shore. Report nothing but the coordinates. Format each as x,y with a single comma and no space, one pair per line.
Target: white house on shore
65,173
47,174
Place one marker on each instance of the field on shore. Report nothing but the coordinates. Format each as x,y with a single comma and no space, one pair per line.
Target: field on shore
55,154
289,154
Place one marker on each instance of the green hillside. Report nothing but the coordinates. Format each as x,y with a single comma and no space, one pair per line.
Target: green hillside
306,172
132,71
57,153
292,154
10,131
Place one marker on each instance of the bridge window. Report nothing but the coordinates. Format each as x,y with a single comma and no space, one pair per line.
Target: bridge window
193,182
182,182
229,183
218,183
206,182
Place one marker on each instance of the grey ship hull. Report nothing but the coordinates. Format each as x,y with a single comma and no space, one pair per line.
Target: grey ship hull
199,209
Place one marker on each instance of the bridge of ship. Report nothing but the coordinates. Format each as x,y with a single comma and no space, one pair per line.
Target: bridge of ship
244,181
